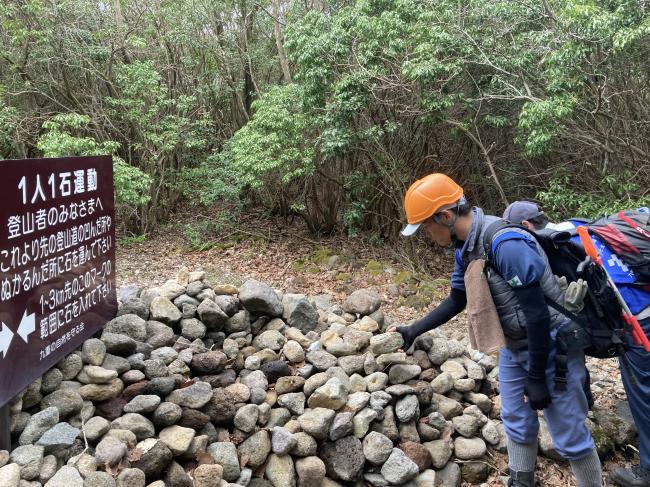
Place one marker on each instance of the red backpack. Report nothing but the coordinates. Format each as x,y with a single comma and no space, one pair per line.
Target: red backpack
627,234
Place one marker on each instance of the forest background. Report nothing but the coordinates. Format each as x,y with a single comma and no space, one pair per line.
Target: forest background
326,110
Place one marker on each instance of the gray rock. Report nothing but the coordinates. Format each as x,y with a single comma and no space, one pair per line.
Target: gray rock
246,417
61,435
466,425
293,351
144,403
66,477
70,366
131,477
155,457
67,401
130,325
280,471
271,339
195,396
110,451
377,381
449,476
362,420
10,475
443,383
118,364
51,381
260,299
481,400
134,306
163,310
341,426
407,408
616,427
99,479
305,445
321,359
38,424
379,399
490,433
386,343
212,315
93,351
399,468
191,328
362,302
48,469
119,344
316,422
282,440
311,471
294,402
102,392
299,312
377,448
30,459
155,368
229,304
469,448
94,374
402,373
238,323
225,454
256,448
158,334
208,475
177,438
256,380
447,407
332,395
136,423
352,364
176,476
343,458
440,451
166,354
95,428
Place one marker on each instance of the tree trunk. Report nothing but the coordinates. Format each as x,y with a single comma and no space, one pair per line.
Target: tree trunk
279,42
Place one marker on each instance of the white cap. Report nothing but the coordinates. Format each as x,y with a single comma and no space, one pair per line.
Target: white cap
410,229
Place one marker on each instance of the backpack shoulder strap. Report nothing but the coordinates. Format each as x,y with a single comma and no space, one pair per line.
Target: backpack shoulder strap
490,233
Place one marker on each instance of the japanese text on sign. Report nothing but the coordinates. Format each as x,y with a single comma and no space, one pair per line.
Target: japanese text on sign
57,262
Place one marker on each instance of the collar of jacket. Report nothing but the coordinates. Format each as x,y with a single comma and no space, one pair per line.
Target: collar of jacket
478,217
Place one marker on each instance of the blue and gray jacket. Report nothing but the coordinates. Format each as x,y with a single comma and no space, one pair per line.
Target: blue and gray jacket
518,261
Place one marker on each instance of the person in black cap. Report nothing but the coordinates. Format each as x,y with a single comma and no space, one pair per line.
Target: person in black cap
636,376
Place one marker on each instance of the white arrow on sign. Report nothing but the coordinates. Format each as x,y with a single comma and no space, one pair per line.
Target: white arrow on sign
27,326
6,335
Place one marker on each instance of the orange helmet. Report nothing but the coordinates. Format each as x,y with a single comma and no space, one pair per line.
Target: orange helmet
428,196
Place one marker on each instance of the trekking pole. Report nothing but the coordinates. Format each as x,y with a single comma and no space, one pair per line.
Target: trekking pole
638,334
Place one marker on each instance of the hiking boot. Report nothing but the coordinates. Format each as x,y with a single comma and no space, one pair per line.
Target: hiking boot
631,477
521,479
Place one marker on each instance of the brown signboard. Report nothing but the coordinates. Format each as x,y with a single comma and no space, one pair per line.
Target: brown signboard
57,262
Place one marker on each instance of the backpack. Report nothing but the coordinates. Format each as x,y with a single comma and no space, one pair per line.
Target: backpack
627,234
599,328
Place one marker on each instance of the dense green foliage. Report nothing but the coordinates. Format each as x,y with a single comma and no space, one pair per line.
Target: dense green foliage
328,110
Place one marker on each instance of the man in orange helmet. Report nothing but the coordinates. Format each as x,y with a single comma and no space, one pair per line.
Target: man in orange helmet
520,280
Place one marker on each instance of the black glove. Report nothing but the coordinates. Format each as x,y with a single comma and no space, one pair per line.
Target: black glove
450,307
537,392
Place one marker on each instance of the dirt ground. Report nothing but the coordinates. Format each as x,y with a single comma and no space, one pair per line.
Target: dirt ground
290,259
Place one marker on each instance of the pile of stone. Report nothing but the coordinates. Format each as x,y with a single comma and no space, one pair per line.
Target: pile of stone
212,386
